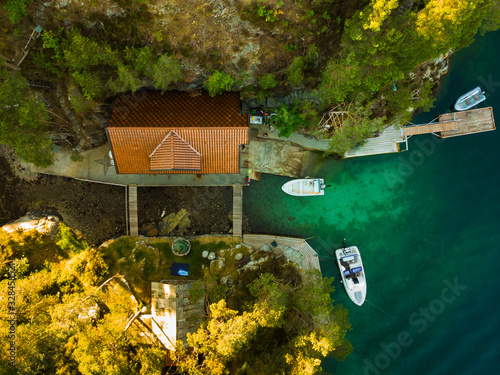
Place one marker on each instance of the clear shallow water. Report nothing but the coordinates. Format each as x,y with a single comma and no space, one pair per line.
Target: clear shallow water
427,222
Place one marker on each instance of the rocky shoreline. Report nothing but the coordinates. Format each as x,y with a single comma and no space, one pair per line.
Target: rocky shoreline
98,211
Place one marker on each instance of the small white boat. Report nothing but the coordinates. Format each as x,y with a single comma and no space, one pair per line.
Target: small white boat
305,187
352,273
470,99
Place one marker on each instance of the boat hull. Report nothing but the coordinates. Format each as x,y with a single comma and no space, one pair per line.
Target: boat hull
306,187
352,273
470,99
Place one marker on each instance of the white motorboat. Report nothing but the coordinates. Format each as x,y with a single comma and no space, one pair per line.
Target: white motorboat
470,99
305,187
352,273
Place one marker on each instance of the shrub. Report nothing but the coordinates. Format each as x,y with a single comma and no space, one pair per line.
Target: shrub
67,240
288,119
142,59
268,81
166,71
312,54
90,84
218,82
91,268
16,9
296,71
127,80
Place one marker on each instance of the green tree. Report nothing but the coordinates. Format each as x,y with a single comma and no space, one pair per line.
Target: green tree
381,9
16,9
89,82
296,71
287,326
142,59
450,24
268,81
288,119
166,71
23,120
218,82
355,129
127,80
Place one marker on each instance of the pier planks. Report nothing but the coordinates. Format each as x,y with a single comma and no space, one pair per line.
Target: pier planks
473,121
132,210
237,210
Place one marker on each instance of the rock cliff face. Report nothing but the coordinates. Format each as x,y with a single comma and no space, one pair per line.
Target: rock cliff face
243,38
46,224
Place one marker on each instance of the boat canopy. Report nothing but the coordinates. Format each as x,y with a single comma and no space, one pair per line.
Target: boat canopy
348,258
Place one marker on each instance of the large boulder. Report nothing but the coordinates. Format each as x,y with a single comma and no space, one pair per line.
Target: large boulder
175,221
45,225
294,256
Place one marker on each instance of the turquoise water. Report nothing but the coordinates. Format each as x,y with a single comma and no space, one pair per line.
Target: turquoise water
427,222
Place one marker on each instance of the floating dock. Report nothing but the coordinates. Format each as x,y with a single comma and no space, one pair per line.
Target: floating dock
469,122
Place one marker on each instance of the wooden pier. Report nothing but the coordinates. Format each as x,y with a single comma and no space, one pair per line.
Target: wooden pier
132,211
433,127
469,122
455,124
237,210
310,257
387,142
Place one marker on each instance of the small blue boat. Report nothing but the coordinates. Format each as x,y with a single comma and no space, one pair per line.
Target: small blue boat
470,99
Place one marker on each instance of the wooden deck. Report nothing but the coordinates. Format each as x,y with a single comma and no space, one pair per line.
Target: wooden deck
132,210
434,127
387,142
237,210
311,259
473,121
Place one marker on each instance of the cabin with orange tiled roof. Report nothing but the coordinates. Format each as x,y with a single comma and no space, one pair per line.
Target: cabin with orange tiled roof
177,132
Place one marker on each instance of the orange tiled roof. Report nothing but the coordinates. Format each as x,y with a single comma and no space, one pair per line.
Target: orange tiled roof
177,109
174,153
151,133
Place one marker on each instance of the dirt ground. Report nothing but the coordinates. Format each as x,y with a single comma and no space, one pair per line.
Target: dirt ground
98,210
209,208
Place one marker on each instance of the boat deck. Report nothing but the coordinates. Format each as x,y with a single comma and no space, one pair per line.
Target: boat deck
469,122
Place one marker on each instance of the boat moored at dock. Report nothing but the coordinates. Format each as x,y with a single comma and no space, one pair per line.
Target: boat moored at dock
470,99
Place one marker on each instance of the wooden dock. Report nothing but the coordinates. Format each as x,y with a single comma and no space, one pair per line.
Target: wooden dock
132,210
469,122
433,127
387,142
237,209
310,257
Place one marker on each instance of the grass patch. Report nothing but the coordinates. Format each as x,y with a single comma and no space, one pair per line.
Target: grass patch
143,261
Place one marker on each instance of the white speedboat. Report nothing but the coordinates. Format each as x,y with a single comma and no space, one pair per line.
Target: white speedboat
470,99
352,272
305,187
